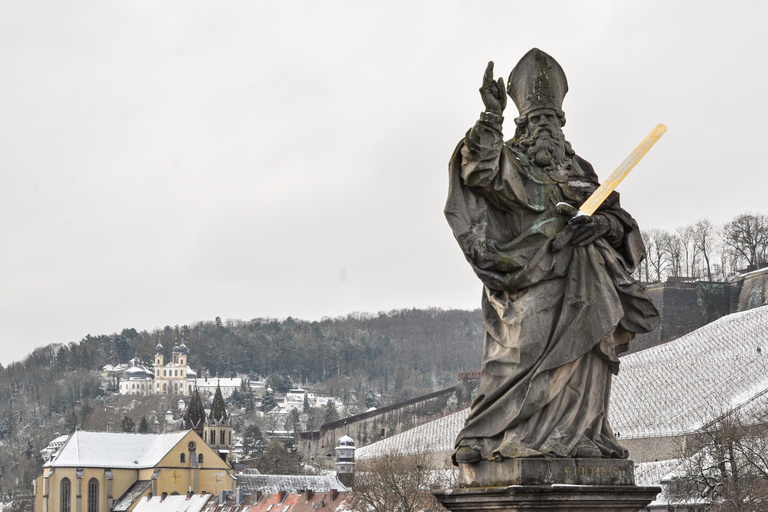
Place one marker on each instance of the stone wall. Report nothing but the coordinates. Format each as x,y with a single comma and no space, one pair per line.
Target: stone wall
685,306
369,427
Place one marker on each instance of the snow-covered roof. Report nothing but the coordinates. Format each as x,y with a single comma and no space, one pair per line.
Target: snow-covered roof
58,441
212,382
173,503
671,389
272,484
115,449
685,384
133,493
435,436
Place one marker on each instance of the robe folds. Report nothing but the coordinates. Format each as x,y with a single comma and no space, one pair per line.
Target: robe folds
555,320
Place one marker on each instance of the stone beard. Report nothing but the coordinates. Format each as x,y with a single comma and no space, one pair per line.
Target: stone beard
555,318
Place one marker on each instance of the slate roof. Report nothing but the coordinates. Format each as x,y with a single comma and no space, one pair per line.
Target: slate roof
685,384
133,493
173,503
273,484
670,389
115,450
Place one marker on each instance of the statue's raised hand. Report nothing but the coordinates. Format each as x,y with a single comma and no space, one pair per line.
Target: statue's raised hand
493,92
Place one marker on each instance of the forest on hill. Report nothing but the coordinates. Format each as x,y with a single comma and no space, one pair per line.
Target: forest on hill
399,354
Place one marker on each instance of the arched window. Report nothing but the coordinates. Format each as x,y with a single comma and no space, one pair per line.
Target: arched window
200,458
175,373
182,458
65,496
93,495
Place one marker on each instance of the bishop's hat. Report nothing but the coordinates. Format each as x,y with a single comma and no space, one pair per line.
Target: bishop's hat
536,82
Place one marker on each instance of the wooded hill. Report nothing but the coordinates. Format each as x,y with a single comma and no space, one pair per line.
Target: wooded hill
399,354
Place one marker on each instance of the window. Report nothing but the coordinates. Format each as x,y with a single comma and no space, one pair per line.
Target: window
66,495
182,458
93,495
200,458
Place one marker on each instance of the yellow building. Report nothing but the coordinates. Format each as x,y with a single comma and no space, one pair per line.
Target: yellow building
105,471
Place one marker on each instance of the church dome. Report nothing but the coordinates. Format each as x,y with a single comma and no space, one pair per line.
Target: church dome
159,347
183,348
176,349
137,373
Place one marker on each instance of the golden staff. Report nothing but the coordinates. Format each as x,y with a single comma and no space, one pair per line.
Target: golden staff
609,185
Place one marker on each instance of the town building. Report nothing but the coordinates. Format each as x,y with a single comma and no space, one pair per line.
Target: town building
109,471
175,376
137,380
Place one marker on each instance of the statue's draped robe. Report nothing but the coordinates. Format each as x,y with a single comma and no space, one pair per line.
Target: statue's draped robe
554,320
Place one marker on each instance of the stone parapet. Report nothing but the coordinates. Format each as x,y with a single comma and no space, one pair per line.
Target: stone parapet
547,498
547,471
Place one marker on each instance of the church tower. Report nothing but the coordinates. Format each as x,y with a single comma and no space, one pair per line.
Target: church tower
218,427
194,417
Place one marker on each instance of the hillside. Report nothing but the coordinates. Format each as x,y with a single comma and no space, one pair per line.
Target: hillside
398,354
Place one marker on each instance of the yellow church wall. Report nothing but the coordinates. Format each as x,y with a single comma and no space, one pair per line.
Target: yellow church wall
212,476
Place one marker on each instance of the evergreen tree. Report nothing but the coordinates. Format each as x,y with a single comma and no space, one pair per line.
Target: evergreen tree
330,413
143,425
127,424
268,402
253,441
306,403
70,422
293,424
277,460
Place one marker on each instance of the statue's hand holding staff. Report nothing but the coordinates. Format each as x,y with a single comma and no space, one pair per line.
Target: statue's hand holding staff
493,92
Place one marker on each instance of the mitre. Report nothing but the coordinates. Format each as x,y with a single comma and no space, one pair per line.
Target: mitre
537,82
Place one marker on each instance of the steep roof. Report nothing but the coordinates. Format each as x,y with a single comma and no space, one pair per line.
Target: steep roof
670,389
194,417
117,450
687,383
218,407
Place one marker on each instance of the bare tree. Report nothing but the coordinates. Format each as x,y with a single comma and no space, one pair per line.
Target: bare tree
672,249
655,254
727,465
747,236
685,233
704,240
397,482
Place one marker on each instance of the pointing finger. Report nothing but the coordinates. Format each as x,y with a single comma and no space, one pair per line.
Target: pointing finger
488,77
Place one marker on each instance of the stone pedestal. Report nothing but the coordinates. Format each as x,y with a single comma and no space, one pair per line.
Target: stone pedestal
547,485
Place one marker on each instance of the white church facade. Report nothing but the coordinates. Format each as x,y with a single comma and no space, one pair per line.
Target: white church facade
174,377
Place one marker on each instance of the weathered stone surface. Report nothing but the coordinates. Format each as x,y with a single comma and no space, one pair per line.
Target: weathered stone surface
555,320
548,498
546,472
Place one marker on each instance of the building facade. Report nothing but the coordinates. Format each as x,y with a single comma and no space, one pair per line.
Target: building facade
109,471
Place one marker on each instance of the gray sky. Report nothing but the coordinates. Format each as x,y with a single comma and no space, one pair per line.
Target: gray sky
167,162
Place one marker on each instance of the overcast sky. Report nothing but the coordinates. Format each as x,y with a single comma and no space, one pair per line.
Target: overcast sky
164,163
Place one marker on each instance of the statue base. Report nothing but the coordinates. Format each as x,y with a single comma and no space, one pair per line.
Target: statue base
489,473
547,485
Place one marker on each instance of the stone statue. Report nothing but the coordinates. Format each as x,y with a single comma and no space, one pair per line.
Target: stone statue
556,315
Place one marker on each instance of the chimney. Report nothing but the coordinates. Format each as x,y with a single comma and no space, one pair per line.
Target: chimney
189,495
259,494
149,496
222,497
334,494
310,494
239,496
280,496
